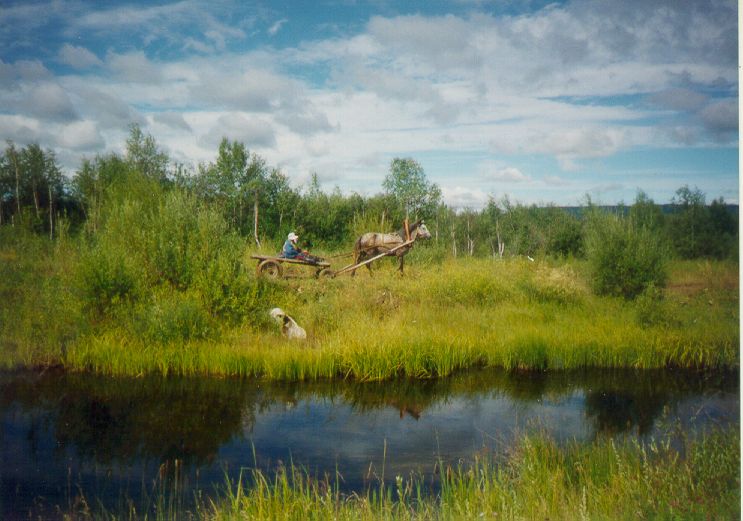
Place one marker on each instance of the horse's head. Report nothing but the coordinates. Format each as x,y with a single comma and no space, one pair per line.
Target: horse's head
420,231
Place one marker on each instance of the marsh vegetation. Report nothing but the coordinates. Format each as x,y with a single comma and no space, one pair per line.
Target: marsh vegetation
136,266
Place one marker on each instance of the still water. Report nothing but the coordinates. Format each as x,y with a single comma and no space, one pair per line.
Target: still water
63,435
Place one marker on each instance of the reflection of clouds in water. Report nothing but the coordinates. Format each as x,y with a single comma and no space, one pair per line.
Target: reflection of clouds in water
118,431
318,435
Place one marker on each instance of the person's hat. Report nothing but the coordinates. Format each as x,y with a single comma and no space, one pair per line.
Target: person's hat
292,236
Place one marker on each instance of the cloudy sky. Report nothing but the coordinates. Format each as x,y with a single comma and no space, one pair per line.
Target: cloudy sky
543,101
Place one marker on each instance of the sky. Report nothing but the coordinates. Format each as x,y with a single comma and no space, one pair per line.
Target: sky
542,102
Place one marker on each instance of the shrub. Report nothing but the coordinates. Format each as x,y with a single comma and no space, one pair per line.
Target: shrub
649,307
105,277
173,316
624,259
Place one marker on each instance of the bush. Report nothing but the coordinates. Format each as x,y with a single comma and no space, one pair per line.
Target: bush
649,307
105,278
624,259
173,316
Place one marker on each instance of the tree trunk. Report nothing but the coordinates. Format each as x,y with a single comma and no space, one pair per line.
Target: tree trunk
51,220
501,245
255,221
17,183
470,242
36,198
453,243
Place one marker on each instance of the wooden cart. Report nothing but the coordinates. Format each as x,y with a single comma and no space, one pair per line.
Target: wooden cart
272,267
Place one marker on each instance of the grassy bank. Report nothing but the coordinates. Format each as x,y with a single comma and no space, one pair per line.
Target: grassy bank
536,479
441,317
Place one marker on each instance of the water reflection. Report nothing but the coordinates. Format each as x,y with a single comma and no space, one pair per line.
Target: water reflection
107,433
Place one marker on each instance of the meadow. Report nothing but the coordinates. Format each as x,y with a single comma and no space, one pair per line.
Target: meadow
444,315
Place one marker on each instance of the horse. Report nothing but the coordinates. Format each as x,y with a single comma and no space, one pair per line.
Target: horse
372,244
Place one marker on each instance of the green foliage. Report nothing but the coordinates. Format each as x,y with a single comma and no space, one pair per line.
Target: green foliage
407,182
143,155
625,259
650,308
173,316
106,277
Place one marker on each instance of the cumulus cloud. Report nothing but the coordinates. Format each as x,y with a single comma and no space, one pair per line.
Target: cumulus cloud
11,74
19,129
253,132
47,101
721,116
78,57
570,81
133,67
80,136
508,174
172,119
110,111
464,197
253,90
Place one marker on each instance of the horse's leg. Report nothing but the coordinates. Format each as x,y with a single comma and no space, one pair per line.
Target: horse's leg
402,263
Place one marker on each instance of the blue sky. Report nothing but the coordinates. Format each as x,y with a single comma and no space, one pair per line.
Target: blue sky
544,102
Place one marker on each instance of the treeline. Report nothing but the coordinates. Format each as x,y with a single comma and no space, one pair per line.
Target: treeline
257,202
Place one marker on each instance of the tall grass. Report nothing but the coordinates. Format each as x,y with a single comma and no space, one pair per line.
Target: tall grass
512,314
537,478
197,308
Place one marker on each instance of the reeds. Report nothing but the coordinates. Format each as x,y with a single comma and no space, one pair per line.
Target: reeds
671,477
536,479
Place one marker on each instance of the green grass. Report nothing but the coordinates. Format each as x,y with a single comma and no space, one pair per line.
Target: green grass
440,317
536,478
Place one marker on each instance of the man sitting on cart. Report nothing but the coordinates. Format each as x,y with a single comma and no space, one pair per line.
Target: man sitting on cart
292,251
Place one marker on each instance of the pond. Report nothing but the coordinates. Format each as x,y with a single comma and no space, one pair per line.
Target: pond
107,438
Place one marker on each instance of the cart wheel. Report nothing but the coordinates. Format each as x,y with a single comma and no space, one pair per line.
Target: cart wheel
325,273
270,269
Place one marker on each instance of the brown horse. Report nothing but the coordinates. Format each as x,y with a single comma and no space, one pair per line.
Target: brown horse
372,244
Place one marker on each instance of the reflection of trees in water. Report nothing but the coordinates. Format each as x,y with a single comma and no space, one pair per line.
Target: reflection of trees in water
122,419
615,412
188,419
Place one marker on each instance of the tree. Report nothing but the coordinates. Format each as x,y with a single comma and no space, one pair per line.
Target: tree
689,224
279,200
407,182
235,180
143,154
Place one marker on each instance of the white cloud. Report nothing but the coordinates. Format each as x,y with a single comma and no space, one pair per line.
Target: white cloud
253,132
276,26
172,119
133,67
539,84
80,135
553,180
721,116
11,74
78,57
509,174
46,101
464,197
